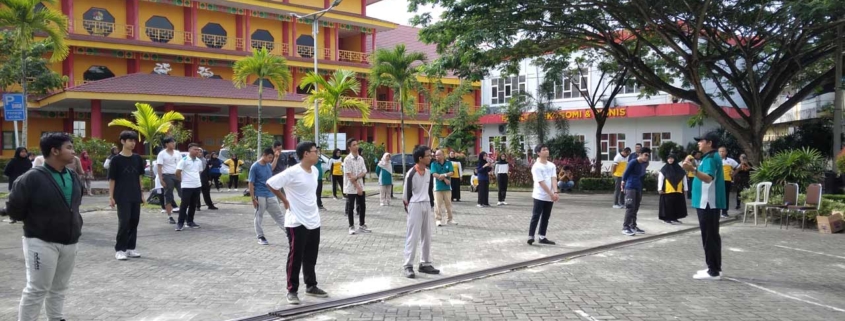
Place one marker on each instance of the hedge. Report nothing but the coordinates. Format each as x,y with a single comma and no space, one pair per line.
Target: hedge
609,183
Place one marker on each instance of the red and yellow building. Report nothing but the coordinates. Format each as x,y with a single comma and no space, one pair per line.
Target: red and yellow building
119,48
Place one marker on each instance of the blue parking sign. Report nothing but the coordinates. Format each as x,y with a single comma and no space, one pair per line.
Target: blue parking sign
13,107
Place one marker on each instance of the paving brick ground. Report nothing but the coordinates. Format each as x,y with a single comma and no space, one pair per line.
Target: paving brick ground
219,271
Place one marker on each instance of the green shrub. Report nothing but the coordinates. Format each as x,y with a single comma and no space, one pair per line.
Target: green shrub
803,166
840,161
667,148
3,163
98,151
566,146
596,184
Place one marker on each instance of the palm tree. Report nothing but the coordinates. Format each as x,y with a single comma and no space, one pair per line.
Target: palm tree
25,21
332,97
266,67
398,70
148,124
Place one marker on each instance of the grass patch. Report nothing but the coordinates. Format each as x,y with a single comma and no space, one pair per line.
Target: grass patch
4,195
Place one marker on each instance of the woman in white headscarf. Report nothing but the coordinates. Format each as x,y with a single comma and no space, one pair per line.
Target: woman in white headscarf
385,179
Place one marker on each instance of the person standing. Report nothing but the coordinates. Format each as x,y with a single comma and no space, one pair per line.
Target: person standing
87,166
441,170
485,165
205,177
319,165
188,172
742,178
126,191
620,163
16,167
112,153
278,164
693,158
417,196
544,194
355,168
262,198
729,167
214,173
385,179
501,168
708,197
638,148
632,183
672,184
166,161
234,171
457,172
336,165
302,220
51,229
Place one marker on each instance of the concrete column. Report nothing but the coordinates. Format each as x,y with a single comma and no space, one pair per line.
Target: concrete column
132,18
286,36
327,42
421,136
233,119
247,33
67,67
373,49
68,125
293,37
67,10
290,120
96,119
389,145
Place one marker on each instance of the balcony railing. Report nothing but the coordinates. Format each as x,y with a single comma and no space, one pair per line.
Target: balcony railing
104,29
169,36
353,56
308,52
222,42
279,49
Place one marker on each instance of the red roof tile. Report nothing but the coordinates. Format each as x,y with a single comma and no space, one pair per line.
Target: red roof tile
404,35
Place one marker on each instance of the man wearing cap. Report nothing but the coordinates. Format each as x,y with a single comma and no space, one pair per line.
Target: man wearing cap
708,198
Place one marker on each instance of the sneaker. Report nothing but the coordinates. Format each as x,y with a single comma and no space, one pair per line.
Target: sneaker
638,230
504,203
293,298
409,272
380,204
262,241
725,215
213,208
428,269
721,273
364,229
163,211
316,292
121,256
706,276
133,254
617,206
322,208
452,222
335,198
171,220
499,204
179,227
193,225
352,231
547,241
628,232
439,223
531,241
479,205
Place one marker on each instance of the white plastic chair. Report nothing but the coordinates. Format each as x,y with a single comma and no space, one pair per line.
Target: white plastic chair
765,187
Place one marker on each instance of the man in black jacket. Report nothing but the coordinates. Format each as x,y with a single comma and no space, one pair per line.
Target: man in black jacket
51,228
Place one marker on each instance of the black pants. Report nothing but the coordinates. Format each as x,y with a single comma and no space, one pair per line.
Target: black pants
502,180
320,193
233,179
633,197
304,246
728,186
216,179
355,202
540,214
128,216
483,192
456,189
337,180
689,183
206,193
190,196
172,202
708,222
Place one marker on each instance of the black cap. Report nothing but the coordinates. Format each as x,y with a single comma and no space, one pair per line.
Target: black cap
712,137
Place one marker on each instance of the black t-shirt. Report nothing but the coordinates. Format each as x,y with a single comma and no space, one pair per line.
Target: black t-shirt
126,171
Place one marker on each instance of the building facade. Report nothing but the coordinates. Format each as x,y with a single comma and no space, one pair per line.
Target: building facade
178,55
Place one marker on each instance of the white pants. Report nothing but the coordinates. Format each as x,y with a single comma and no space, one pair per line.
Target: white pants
419,231
274,208
443,199
48,270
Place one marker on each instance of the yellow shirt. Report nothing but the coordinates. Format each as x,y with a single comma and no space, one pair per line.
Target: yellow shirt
337,169
234,169
456,170
728,164
673,189
621,163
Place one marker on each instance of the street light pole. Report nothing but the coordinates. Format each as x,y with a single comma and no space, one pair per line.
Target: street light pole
315,29
837,96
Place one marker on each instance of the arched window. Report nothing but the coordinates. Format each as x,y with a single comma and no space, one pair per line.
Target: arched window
305,46
97,73
267,84
214,36
98,22
159,29
262,39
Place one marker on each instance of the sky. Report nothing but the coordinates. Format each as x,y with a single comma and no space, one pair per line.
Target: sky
396,11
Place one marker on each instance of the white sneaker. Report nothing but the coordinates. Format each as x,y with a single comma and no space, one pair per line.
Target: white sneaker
479,205
453,222
498,203
229,190
120,255
617,206
133,253
163,211
439,223
706,276
352,231
504,203
381,204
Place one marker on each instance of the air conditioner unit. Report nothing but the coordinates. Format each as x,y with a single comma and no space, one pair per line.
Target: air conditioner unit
503,129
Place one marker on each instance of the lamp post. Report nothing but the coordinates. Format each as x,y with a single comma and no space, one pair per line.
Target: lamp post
314,31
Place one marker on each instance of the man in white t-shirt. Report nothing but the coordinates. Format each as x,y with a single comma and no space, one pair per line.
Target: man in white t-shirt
545,182
188,172
302,219
166,162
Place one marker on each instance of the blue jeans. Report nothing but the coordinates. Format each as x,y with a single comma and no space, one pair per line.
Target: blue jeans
565,186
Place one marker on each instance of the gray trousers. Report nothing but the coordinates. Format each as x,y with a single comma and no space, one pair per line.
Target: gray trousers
633,197
419,232
618,195
274,208
48,270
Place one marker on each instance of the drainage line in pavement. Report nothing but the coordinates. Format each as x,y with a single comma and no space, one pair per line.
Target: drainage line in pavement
461,278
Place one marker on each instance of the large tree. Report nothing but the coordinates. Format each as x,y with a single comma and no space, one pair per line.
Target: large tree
744,54
267,68
333,94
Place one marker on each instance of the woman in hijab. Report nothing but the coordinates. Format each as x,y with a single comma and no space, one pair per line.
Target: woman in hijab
385,179
501,168
214,170
16,167
671,184
87,170
336,165
485,165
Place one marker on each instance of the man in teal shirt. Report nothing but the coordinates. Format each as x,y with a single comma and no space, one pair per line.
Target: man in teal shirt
319,166
708,197
441,170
